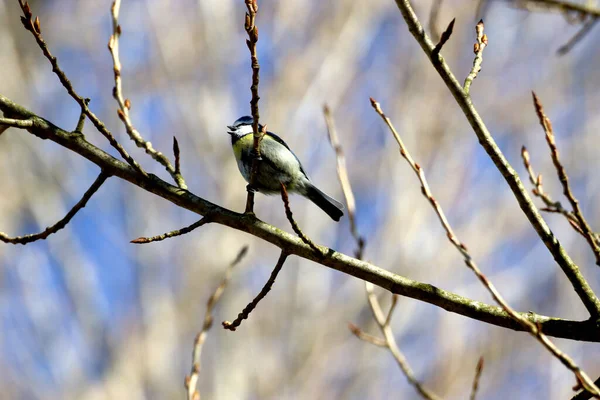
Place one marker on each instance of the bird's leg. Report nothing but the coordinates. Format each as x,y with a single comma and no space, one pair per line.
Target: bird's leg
251,189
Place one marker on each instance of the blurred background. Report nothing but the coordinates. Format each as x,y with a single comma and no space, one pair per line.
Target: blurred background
87,315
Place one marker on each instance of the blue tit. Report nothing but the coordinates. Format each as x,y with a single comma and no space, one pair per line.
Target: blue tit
278,164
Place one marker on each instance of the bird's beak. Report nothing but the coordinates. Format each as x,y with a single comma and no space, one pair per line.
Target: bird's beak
231,129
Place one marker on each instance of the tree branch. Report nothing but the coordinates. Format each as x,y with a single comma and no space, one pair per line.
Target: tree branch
125,104
575,330
63,222
570,269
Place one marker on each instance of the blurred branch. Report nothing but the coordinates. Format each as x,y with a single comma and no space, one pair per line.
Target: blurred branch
342,173
576,330
581,33
583,13
434,13
584,394
295,227
383,321
384,325
570,269
232,326
191,381
559,6
63,222
176,232
125,104
252,31
478,370
564,179
34,28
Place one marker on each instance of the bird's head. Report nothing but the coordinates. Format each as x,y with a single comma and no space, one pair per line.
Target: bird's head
242,126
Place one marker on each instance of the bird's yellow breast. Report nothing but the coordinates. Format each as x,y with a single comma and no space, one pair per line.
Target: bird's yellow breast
244,143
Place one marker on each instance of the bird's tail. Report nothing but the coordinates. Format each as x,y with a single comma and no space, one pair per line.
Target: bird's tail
332,207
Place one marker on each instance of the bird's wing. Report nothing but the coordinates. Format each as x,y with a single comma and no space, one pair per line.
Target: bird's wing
280,141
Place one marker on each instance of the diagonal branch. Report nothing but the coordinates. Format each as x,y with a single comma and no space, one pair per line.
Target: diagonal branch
538,190
176,232
125,104
386,330
34,28
533,329
63,222
295,227
191,381
570,269
382,320
575,330
564,179
232,326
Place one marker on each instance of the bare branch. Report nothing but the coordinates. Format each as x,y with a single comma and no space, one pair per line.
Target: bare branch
535,330
575,330
560,6
569,268
362,335
102,177
35,30
384,322
176,232
443,39
478,48
551,205
344,181
478,370
232,326
125,104
386,330
295,227
564,179
252,31
581,33
191,381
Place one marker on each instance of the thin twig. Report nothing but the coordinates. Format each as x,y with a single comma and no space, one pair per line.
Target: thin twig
34,28
177,155
16,123
478,48
176,232
478,370
561,6
534,329
443,39
191,381
252,31
581,33
232,326
564,179
386,330
367,337
344,181
485,138
538,190
102,177
389,341
125,104
295,227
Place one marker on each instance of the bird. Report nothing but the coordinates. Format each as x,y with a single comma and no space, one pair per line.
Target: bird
277,165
